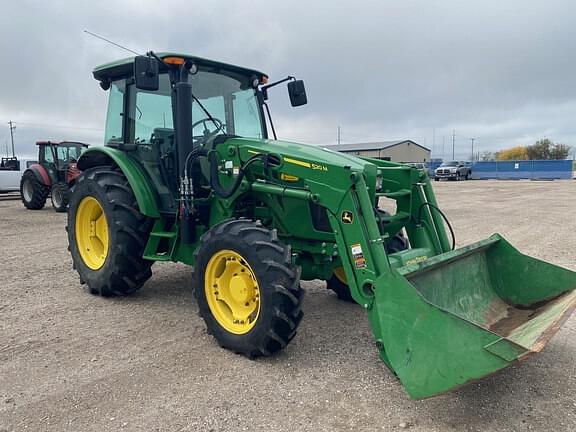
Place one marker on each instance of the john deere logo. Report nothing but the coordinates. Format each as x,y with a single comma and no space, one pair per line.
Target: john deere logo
347,217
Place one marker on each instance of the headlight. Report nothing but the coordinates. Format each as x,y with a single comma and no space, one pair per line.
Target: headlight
378,183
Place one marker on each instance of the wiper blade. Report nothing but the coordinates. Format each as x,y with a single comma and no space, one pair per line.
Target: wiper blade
205,110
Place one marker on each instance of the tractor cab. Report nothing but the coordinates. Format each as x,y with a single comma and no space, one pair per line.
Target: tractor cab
154,99
57,156
59,160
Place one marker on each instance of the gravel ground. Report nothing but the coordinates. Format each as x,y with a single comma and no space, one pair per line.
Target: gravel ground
72,361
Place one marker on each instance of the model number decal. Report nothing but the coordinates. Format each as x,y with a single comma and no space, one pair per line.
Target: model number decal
416,260
319,167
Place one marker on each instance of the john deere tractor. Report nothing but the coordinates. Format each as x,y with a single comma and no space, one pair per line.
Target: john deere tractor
192,171
54,174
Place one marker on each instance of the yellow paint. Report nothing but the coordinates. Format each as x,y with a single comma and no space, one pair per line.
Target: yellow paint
298,162
232,292
341,275
91,230
288,178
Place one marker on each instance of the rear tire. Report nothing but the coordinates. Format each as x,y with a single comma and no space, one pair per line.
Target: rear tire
110,223
59,196
32,192
256,312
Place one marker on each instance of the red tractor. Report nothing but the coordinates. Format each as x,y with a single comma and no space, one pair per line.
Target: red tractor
54,174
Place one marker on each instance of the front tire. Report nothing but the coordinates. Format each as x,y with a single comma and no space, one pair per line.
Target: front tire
59,196
247,289
107,233
32,192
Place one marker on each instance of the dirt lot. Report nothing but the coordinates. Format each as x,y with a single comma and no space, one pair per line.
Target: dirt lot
72,361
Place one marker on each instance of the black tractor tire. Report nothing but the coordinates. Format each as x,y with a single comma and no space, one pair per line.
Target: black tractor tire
124,271
342,290
33,192
60,196
278,279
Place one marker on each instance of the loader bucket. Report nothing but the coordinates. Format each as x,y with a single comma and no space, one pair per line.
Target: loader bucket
465,314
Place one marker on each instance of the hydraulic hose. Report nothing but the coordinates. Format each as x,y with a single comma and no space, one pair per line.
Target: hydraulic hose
443,217
215,179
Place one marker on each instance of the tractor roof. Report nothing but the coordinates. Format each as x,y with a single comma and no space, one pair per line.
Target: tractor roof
61,143
125,67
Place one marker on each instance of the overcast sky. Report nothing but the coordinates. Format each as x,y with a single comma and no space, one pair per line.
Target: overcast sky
502,72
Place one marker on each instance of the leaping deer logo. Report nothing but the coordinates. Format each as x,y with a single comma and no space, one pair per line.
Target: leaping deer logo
347,217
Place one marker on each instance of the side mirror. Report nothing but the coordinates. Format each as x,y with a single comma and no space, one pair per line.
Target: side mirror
297,93
146,73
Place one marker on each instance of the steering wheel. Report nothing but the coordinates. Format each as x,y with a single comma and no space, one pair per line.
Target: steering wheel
207,133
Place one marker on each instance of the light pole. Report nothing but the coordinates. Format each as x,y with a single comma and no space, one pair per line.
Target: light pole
12,127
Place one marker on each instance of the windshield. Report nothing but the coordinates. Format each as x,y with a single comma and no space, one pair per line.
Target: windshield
228,99
449,164
66,153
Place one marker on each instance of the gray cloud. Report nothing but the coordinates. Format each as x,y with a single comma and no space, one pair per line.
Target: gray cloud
502,72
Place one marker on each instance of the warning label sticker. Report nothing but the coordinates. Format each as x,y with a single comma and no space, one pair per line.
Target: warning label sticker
358,256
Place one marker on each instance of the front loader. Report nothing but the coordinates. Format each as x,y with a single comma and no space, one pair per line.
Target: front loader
190,174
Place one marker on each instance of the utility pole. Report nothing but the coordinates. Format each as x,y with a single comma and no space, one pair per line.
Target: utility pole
433,139
12,127
453,142
338,134
443,143
472,141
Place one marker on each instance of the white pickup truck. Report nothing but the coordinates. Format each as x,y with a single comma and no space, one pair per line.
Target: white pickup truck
11,170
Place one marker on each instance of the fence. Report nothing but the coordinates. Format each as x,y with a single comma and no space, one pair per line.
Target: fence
509,170
532,169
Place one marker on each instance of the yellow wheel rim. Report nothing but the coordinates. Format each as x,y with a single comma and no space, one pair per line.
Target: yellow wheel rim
91,233
341,275
232,292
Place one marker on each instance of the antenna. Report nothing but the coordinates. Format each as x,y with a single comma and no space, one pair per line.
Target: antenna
110,42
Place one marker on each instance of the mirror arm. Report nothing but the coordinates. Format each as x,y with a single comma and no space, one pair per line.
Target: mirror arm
265,88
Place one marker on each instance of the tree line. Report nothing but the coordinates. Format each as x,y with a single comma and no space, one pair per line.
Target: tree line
543,149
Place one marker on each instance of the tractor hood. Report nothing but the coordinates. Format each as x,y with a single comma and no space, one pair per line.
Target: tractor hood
305,155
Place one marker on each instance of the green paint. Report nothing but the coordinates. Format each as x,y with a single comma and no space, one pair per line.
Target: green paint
141,185
448,320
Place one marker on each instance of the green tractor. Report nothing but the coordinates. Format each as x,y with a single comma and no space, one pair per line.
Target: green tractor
54,173
189,173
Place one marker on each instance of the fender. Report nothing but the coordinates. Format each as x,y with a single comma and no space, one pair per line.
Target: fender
137,178
72,173
41,174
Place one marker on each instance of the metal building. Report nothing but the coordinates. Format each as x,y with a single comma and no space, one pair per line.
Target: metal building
395,151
